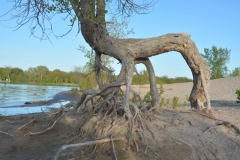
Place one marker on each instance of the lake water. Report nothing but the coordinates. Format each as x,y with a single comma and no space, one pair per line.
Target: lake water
12,95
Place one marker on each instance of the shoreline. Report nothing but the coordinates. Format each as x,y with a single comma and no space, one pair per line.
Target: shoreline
59,97
38,107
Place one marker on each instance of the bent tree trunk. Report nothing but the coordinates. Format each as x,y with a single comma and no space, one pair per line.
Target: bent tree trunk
131,51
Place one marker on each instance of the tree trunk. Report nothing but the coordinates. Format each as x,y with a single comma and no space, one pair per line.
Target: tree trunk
152,80
127,51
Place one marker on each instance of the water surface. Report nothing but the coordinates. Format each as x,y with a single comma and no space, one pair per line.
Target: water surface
12,95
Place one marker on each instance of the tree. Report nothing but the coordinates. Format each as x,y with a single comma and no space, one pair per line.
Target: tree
235,72
8,71
31,74
41,71
217,59
78,73
16,75
90,16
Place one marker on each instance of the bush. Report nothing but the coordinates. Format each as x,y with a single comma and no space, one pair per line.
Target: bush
175,102
148,97
238,94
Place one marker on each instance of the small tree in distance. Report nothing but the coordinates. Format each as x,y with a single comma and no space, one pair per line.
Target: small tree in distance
235,72
217,59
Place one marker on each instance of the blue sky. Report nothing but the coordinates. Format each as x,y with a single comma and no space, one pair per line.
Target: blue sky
215,22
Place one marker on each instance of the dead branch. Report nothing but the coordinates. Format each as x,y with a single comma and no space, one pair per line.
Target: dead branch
7,134
84,144
113,148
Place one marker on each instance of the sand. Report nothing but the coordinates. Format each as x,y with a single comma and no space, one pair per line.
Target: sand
181,134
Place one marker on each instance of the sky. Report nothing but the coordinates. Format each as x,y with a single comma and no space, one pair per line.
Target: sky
215,22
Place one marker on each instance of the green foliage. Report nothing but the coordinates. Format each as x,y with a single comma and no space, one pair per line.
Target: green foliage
148,97
217,59
143,78
238,94
160,90
41,75
160,93
90,55
187,99
118,29
167,102
175,102
235,72
130,135
88,82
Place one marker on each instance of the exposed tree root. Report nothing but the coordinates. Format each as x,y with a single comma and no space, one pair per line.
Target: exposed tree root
58,115
113,148
222,122
13,121
7,133
182,141
212,128
47,129
84,144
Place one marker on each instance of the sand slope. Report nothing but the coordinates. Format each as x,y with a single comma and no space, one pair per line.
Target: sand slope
220,89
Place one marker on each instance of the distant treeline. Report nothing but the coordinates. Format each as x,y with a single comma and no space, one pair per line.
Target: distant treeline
142,78
42,75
